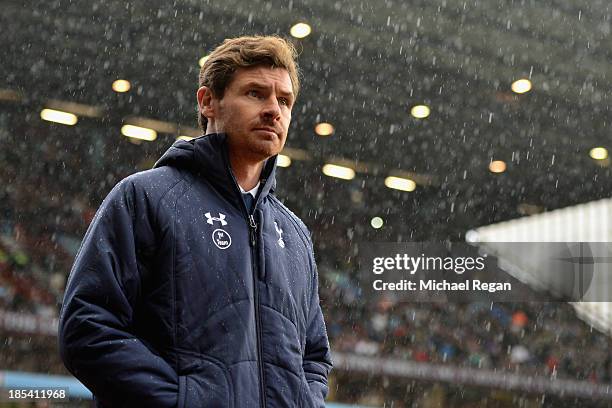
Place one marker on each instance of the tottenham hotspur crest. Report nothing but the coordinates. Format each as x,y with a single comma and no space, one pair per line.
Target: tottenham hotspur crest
279,231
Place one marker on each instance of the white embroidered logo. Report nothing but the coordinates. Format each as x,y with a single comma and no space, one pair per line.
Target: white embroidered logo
279,231
221,238
210,219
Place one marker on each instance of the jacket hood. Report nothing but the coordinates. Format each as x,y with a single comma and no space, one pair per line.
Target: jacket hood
207,156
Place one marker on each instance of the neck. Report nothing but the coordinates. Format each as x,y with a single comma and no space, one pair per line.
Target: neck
247,173
246,169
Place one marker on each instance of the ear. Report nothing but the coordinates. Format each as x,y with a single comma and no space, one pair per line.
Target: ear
206,103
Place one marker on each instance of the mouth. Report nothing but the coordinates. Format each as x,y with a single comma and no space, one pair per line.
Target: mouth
267,130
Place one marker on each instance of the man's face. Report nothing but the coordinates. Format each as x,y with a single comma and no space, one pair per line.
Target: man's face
255,111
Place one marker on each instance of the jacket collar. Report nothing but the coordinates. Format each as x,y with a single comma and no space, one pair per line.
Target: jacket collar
208,157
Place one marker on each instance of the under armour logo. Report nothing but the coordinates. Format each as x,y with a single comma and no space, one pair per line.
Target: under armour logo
210,219
279,231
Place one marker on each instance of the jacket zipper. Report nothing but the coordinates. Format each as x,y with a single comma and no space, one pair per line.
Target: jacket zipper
250,219
253,236
252,229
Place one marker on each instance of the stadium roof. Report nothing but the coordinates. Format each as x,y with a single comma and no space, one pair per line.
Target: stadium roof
365,65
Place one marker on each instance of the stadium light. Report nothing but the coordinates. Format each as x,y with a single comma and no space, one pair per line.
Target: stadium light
121,85
283,161
52,115
10,95
138,132
521,86
420,111
497,166
399,183
300,30
324,129
341,172
376,222
599,153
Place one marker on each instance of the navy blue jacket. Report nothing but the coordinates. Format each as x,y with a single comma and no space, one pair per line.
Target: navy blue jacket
181,297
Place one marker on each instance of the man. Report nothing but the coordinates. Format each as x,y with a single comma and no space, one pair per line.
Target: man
185,291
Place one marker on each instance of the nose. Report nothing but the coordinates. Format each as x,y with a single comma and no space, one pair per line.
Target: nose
271,110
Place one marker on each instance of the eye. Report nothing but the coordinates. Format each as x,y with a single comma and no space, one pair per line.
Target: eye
253,93
283,101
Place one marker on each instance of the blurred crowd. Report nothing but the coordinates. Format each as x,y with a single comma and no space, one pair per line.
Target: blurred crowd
545,339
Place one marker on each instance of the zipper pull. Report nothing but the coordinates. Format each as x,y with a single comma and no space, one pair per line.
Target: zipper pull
252,229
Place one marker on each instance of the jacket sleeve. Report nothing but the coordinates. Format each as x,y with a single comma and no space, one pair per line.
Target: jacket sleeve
96,338
317,357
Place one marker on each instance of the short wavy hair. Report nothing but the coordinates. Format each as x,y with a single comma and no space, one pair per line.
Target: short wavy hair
243,52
